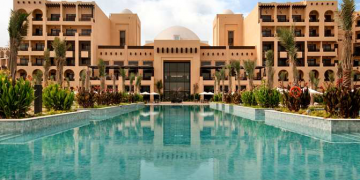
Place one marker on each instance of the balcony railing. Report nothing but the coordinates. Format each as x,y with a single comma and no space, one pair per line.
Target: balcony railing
54,19
328,64
54,34
313,35
313,50
37,19
329,20
328,50
283,63
69,19
267,34
24,48
69,34
38,34
84,19
314,20
299,35
313,65
85,34
23,63
329,35
298,20
283,20
267,20
38,49
37,64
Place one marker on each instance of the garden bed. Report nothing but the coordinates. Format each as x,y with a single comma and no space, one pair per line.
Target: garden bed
305,124
109,112
19,126
255,114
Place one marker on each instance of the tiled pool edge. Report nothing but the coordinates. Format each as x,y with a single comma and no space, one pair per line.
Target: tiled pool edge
109,112
305,124
240,111
19,126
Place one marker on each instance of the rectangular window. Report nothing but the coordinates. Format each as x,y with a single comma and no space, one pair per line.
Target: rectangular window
282,18
231,38
327,47
70,17
24,61
39,62
85,32
312,48
266,18
55,17
297,18
122,38
55,32
86,17
298,33
71,32
219,63
119,63
148,63
205,63
328,18
133,63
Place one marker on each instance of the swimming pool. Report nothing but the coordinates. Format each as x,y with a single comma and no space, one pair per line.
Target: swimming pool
175,142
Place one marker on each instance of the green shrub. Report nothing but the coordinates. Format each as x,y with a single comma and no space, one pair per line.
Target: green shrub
342,102
294,101
267,98
217,97
86,99
138,98
15,100
318,98
248,98
55,98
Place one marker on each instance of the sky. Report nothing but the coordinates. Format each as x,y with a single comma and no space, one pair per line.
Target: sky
157,15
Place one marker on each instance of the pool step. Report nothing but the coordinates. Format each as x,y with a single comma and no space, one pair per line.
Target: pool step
4,137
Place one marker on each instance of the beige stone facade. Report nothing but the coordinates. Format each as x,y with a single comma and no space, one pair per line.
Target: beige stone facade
184,63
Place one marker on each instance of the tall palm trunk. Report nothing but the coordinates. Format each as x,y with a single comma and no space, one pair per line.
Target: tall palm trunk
12,63
59,73
230,82
223,90
294,70
346,58
238,82
87,82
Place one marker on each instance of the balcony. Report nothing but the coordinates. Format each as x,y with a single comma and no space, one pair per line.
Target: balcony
329,20
283,63
328,49
70,19
298,20
54,34
267,18
37,64
313,50
300,62
328,63
70,62
38,49
24,48
85,34
283,20
267,34
54,19
313,20
37,34
313,35
313,64
329,35
70,34
37,19
356,63
23,62
85,19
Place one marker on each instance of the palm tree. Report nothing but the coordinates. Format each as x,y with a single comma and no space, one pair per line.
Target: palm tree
87,82
123,76
249,66
218,80
138,83
346,23
113,83
287,40
237,67
18,26
83,79
269,68
229,72
60,49
159,86
131,78
47,65
223,76
314,81
102,74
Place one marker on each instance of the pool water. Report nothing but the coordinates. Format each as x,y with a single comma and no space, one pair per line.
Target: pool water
177,143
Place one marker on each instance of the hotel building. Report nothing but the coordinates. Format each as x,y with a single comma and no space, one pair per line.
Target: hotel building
185,64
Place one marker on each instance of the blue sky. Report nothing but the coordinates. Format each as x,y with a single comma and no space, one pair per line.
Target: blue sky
157,15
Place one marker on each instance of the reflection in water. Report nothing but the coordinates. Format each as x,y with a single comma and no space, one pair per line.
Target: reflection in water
178,142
